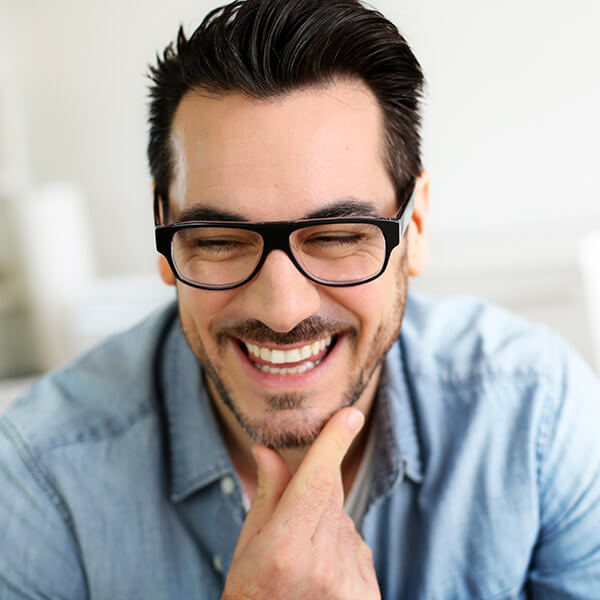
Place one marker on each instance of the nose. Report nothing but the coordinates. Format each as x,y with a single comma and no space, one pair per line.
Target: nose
280,296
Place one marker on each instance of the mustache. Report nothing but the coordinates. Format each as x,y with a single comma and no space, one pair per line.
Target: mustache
309,330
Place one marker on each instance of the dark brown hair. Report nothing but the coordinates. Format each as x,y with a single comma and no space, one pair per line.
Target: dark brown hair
267,48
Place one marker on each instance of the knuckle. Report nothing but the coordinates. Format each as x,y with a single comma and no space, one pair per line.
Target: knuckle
366,551
347,522
284,561
341,443
320,481
348,530
281,564
323,579
261,496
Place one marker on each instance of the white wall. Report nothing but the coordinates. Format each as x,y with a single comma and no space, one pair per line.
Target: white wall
512,129
511,136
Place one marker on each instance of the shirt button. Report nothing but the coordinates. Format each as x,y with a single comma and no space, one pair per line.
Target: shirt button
218,563
227,485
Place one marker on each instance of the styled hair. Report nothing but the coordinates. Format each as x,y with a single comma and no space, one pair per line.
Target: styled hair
268,48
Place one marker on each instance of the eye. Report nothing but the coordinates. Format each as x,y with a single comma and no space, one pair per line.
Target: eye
215,244
221,248
335,239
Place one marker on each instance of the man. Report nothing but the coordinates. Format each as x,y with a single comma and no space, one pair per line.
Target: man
298,425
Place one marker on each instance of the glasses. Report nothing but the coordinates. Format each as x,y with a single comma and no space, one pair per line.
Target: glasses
339,252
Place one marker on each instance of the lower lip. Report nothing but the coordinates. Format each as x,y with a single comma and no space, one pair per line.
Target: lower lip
290,381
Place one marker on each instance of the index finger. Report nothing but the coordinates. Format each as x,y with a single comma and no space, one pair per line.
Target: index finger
307,493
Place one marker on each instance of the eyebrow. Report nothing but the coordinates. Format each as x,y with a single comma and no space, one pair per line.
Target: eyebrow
348,207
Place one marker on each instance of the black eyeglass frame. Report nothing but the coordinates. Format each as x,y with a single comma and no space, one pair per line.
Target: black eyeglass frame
276,236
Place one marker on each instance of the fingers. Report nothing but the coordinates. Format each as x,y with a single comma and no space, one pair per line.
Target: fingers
347,545
297,539
306,496
355,557
324,539
273,477
364,557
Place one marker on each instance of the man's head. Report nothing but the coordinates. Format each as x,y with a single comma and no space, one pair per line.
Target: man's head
279,110
265,49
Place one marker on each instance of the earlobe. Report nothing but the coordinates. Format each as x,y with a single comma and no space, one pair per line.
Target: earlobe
418,231
165,271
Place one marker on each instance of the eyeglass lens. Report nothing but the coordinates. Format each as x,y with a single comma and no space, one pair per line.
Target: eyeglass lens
334,253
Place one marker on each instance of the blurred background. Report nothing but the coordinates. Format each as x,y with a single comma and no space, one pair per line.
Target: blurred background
511,140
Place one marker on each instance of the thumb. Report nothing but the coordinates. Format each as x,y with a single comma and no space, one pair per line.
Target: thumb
273,476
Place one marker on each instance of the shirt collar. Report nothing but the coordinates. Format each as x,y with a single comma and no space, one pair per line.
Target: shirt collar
198,456
399,450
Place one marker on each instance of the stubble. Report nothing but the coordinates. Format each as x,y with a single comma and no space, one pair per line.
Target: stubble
301,429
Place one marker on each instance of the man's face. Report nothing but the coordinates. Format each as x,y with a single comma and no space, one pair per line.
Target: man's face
278,160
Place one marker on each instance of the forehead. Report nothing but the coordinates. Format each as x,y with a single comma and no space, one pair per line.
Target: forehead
279,159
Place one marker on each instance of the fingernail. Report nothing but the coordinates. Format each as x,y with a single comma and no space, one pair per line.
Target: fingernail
355,419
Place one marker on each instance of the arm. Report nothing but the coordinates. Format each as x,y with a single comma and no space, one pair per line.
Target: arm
38,554
566,559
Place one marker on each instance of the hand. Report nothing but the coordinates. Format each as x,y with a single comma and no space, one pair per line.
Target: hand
297,543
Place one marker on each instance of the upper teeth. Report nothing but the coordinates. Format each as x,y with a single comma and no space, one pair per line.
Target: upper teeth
278,357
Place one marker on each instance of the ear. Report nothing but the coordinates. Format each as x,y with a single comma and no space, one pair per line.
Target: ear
165,270
418,230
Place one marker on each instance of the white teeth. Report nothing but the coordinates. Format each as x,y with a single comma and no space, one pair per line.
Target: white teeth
278,357
305,352
306,366
293,355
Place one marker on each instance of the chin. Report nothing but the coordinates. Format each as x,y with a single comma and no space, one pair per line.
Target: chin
287,430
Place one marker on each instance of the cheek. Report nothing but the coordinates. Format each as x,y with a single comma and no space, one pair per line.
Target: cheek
201,308
367,303
373,302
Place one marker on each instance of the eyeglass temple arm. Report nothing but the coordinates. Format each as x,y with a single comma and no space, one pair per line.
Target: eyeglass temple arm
407,213
159,198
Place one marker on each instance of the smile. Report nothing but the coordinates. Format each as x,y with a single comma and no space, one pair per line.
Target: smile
288,362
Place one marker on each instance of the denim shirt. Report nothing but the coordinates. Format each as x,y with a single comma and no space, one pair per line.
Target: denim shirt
115,482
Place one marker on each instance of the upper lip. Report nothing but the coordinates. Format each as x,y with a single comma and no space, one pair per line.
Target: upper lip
286,347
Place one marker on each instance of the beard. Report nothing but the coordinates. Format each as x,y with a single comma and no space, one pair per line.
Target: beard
294,425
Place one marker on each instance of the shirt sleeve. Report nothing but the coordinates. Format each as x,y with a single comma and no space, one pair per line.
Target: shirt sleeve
38,553
566,559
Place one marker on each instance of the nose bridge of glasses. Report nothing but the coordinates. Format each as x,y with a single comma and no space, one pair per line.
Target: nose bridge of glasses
276,236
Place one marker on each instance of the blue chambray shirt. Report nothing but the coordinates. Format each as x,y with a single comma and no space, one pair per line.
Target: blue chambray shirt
115,483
